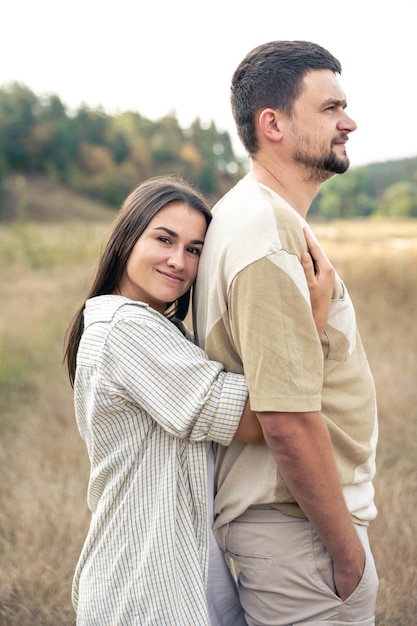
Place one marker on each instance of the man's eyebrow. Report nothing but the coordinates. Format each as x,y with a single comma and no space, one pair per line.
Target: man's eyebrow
335,102
175,235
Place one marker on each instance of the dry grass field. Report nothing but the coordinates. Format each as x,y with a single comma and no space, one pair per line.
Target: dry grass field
45,267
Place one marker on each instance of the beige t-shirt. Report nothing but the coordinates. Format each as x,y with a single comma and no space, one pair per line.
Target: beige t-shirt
253,313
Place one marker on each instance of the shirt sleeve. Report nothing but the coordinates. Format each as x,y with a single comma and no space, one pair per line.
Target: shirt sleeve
275,335
174,381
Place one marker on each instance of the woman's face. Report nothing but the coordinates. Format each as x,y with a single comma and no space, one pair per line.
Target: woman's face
164,261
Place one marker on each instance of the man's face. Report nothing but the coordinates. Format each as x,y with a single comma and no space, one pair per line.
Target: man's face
320,126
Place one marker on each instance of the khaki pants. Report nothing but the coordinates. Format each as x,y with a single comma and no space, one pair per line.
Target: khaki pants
286,575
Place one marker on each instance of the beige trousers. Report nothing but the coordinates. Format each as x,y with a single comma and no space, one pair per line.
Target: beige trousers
286,575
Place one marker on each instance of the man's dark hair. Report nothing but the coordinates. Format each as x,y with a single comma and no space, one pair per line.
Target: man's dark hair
271,75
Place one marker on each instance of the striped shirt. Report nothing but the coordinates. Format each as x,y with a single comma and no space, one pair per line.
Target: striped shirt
146,401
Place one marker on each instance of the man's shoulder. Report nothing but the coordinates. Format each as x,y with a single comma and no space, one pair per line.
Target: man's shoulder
247,205
245,192
249,222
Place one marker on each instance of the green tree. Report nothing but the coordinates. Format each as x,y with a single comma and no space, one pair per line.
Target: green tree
52,142
2,174
344,196
399,200
91,125
166,141
18,106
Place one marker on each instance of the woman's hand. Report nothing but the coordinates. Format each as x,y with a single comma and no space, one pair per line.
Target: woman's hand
320,280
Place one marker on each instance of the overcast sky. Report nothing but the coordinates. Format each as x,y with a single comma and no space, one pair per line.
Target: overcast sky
158,57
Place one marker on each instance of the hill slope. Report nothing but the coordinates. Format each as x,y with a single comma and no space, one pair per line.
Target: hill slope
35,198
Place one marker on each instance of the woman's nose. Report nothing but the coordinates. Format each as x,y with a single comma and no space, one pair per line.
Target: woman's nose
176,258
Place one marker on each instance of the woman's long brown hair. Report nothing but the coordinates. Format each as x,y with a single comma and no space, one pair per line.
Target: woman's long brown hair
142,204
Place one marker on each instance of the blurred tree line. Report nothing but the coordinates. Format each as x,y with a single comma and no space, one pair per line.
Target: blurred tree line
387,189
105,156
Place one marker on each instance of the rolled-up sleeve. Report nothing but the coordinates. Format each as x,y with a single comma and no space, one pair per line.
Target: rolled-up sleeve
173,380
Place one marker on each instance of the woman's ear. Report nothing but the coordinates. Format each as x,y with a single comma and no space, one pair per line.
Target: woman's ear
269,124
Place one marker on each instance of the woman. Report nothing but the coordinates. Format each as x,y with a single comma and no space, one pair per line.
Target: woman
146,401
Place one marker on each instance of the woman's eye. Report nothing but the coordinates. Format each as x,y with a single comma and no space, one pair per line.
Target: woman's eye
196,251
164,240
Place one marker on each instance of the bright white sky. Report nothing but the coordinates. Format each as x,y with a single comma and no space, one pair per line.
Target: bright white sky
177,56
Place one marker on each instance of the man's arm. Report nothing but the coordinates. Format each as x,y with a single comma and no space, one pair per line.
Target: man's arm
302,449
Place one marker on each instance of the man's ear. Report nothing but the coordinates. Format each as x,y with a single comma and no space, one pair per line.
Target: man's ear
269,124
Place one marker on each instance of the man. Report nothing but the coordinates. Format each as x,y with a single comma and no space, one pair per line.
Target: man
293,513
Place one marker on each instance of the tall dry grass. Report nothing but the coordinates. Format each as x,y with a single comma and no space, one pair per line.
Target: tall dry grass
380,268
43,463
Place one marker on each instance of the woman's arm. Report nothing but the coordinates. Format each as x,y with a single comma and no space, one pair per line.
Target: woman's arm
173,381
320,280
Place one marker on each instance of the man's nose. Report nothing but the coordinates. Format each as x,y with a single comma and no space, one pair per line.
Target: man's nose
347,123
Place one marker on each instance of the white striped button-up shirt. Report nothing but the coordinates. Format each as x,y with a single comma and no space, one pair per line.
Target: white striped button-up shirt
146,401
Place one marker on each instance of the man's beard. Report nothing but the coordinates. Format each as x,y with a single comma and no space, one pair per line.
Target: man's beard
321,168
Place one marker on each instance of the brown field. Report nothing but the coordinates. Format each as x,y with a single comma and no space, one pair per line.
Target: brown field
45,267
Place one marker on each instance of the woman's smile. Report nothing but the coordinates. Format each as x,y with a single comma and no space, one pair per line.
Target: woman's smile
164,261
